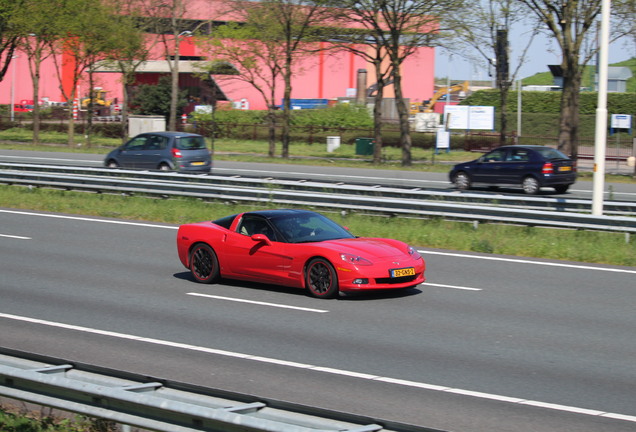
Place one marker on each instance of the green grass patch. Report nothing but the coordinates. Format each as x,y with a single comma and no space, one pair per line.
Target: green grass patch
573,245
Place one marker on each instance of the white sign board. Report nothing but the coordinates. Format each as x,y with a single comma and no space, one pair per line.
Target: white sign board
621,121
443,139
469,117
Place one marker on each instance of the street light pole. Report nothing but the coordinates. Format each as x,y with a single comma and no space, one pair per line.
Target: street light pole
601,114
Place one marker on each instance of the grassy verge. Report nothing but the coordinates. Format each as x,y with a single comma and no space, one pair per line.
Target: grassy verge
573,245
12,420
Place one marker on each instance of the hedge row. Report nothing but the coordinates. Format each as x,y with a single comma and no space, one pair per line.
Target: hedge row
549,102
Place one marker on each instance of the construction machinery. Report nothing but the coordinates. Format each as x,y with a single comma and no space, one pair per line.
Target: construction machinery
99,100
428,106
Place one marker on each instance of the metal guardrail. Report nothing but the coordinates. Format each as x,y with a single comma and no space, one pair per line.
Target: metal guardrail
393,201
161,405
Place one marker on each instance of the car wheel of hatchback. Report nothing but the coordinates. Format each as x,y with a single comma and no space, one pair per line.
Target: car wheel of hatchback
462,181
112,164
530,185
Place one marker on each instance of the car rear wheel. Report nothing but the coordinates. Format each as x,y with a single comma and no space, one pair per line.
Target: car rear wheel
164,167
462,181
112,164
321,279
204,265
530,185
561,188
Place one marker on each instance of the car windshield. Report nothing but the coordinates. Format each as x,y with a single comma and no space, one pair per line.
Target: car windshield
191,143
550,153
309,227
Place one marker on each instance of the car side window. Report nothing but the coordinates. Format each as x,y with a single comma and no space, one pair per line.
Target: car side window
255,225
156,143
495,156
518,155
137,143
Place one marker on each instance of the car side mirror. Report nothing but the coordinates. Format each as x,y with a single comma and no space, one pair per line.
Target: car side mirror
262,238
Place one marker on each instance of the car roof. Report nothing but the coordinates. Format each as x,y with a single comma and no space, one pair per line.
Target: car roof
275,213
171,134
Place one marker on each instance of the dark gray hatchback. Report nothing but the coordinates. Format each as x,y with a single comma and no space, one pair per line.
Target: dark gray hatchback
530,167
163,151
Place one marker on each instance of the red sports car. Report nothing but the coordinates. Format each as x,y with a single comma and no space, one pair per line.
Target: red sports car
296,248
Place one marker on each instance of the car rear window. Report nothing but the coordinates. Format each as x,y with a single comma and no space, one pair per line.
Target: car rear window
191,143
225,222
551,154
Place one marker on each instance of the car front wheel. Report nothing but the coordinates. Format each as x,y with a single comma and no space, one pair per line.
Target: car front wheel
530,185
462,181
321,279
204,265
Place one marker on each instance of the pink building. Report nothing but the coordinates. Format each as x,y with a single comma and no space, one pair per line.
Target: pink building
324,76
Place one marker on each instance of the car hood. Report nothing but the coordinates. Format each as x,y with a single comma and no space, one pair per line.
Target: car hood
368,247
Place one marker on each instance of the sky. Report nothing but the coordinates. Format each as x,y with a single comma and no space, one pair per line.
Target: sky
543,52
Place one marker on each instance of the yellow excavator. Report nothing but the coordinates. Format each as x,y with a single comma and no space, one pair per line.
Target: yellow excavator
429,105
100,99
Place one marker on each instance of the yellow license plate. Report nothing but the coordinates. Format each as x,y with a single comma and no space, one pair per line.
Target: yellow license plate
565,168
410,271
198,163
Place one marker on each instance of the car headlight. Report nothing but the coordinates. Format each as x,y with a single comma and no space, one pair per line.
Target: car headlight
355,259
414,253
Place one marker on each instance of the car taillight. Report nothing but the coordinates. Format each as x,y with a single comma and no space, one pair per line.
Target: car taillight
176,153
548,168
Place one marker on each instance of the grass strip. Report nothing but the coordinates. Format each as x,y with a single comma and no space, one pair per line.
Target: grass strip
561,244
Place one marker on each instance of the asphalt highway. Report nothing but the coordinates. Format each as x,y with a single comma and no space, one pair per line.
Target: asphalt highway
489,343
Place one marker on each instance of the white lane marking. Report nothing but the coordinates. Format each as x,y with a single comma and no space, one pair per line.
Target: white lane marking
453,287
526,261
15,237
88,219
352,374
459,255
258,303
54,159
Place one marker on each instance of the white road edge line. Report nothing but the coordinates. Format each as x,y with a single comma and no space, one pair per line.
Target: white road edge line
352,374
453,287
15,237
459,255
526,261
258,303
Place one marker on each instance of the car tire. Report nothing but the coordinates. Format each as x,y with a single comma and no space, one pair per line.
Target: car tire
530,185
561,189
112,164
462,181
321,279
164,167
204,265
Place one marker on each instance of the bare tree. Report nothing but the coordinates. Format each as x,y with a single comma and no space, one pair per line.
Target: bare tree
239,52
484,30
401,27
572,23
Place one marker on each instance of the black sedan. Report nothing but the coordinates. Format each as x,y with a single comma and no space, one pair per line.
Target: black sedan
530,167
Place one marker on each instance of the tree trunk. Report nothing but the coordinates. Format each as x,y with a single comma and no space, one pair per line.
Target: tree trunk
36,103
504,90
569,120
403,114
287,109
377,114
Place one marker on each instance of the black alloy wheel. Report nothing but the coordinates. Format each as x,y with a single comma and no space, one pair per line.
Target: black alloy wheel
321,279
204,265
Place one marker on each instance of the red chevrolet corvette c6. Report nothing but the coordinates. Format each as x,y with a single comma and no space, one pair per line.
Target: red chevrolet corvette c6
296,248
